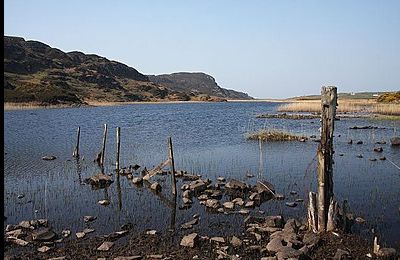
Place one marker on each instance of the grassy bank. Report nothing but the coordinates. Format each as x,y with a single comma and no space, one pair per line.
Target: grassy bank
344,106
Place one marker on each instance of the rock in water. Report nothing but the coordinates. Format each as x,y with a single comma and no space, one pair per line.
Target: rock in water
49,158
236,185
395,141
106,246
156,187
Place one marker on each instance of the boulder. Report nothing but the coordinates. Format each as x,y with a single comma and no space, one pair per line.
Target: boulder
236,242
249,204
43,249
287,252
218,239
49,157
105,246
189,240
99,180
190,224
198,186
238,201
236,185
387,253
275,245
156,187
137,180
341,254
89,218
43,234
187,194
395,141
229,205
273,221
212,203
104,202
265,187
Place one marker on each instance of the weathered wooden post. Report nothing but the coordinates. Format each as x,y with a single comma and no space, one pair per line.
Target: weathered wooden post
103,150
76,151
118,149
171,160
324,155
312,212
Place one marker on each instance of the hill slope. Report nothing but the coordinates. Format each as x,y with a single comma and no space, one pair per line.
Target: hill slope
196,83
36,72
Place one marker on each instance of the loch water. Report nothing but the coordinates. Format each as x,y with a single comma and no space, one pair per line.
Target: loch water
208,139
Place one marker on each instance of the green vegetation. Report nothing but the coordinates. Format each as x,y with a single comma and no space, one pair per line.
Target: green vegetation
274,135
393,97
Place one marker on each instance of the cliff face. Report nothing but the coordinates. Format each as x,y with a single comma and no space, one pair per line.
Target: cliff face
36,72
196,83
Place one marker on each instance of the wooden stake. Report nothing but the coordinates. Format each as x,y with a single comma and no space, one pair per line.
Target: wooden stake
103,150
332,216
324,154
76,151
376,245
171,159
118,148
312,212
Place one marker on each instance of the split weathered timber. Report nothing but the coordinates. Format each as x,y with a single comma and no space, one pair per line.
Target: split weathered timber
324,155
76,151
312,212
156,170
332,216
118,148
171,160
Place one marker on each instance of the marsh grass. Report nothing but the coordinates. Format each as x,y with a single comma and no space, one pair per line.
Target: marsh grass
344,106
274,135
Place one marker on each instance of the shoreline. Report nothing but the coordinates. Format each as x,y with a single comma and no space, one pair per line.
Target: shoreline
9,106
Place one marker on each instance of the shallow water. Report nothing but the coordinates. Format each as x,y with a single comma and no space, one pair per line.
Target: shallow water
209,139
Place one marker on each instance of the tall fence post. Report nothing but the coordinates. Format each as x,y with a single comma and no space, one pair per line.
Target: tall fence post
76,151
118,148
103,150
171,159
324,155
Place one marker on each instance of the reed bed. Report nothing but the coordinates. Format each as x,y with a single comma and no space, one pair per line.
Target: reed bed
344,106
274,135
30,105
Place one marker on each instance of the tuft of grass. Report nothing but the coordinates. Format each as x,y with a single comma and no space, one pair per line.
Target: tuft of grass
274,135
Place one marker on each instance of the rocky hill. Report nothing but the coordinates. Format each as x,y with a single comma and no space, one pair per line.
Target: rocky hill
36,72
196,84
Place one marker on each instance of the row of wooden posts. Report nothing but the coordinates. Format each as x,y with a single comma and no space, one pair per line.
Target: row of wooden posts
101,156
322,208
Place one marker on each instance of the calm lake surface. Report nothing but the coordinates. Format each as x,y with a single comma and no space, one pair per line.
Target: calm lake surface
209,139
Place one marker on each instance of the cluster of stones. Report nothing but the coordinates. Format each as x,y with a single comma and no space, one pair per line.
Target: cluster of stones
38,233
244,196
271,238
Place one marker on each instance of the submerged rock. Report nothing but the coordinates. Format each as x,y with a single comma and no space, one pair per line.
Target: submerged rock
89,218
378,149
43,234
49,157
99,180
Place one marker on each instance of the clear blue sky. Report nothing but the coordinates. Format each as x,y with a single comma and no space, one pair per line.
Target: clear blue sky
269,49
